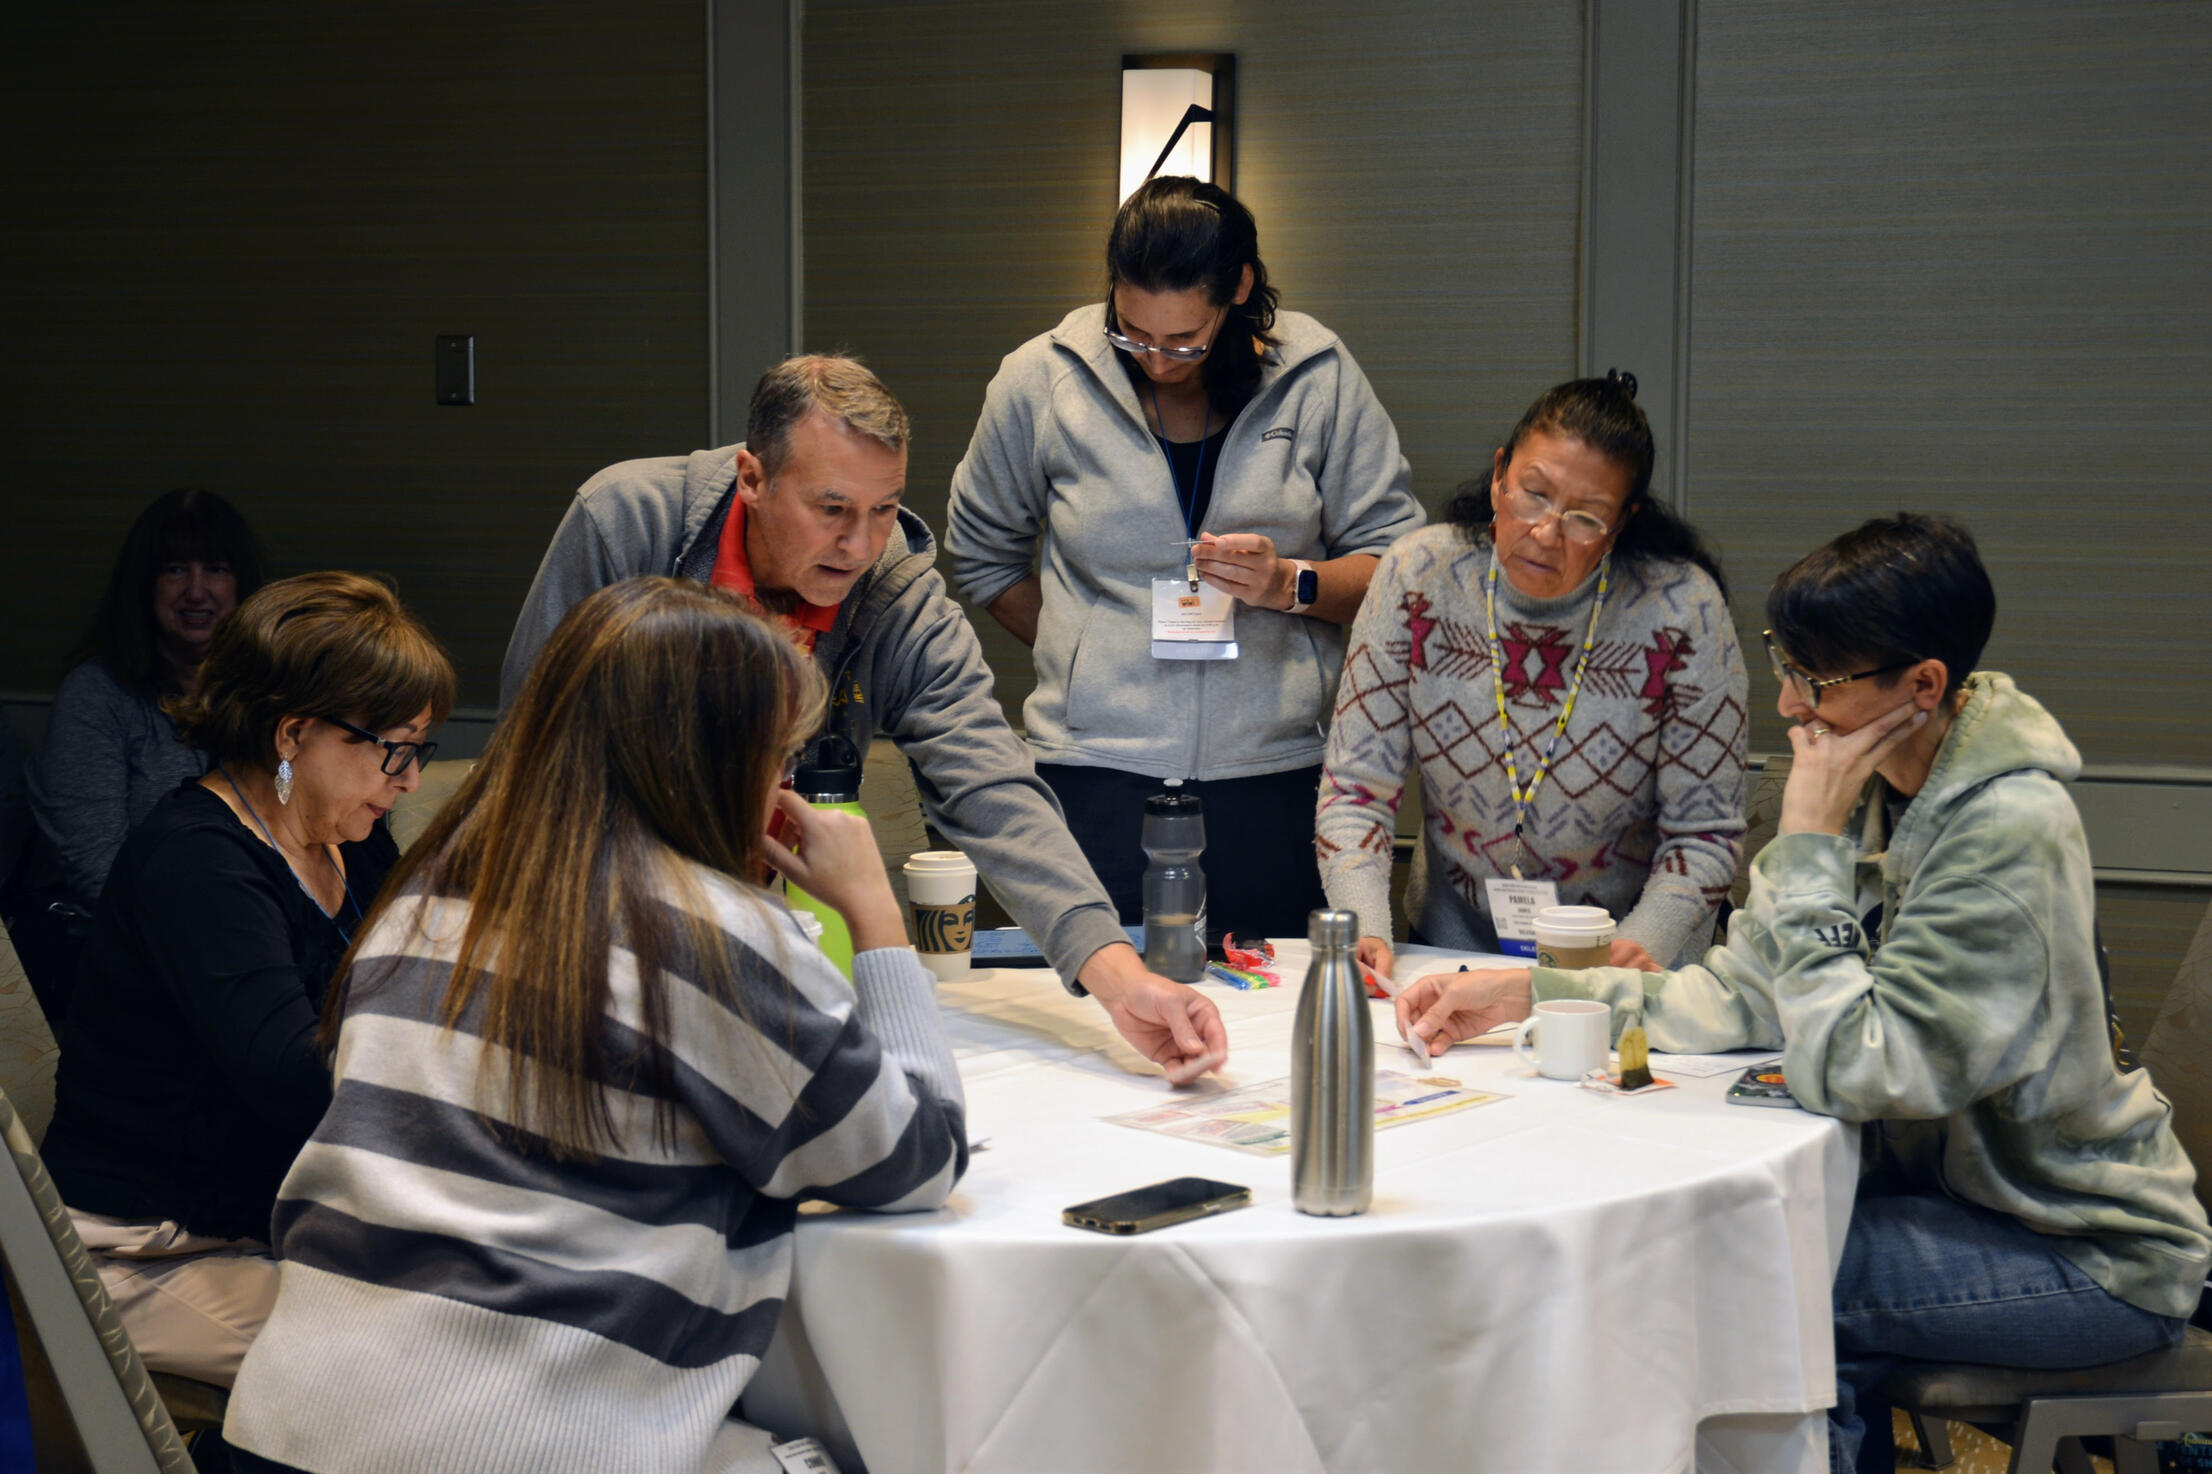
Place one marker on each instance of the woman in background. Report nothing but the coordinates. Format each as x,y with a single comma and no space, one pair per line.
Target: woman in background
586,1068
1185,429
189,1074
110,751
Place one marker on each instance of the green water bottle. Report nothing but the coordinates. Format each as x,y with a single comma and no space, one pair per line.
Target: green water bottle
828,777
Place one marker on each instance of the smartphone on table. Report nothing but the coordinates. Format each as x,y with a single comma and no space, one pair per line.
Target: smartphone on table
1763,1085
1143,1209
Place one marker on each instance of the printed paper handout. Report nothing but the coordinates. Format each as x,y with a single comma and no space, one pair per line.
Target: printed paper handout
1256,1118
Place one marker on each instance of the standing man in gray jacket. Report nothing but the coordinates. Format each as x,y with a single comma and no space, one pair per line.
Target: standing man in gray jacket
803,519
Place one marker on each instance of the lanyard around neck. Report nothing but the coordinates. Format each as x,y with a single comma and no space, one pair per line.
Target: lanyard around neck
343,883
1187,505
1523,797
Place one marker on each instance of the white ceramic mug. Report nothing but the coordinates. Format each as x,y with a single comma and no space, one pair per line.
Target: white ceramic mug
940,894
1574,1036
1573,936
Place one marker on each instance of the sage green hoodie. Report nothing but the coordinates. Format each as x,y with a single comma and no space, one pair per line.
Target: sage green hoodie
1973,1024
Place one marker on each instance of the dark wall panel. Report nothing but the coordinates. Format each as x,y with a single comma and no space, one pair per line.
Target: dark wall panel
234,232
1951,258
1415,168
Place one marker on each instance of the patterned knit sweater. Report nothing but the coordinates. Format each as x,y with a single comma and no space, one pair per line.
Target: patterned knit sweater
453,1299
1643,809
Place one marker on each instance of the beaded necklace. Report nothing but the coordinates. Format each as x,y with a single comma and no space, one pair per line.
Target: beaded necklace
1523,797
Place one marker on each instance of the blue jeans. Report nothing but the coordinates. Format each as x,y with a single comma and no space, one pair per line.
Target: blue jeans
1931,1279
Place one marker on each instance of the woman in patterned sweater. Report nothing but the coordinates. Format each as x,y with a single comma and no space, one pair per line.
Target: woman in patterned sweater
586,1069
1560,663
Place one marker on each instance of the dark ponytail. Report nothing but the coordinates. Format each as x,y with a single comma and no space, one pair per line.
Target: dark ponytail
1177,233
1603,415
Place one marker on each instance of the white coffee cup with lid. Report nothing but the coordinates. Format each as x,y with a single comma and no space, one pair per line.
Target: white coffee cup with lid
1574,936
940,895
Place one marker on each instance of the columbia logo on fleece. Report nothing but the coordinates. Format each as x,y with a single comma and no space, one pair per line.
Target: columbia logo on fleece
1280,432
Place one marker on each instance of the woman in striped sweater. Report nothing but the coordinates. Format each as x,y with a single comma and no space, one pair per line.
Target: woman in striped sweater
586,1069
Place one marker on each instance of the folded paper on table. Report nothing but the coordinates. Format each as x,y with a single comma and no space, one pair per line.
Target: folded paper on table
1256,1118
1704,1066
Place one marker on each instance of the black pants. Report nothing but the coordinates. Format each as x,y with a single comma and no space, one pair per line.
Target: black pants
1261,876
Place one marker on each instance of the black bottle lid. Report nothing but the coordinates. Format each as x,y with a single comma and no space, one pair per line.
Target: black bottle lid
829,771
1174,805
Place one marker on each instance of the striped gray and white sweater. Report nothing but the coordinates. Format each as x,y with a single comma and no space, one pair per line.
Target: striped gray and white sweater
451,1300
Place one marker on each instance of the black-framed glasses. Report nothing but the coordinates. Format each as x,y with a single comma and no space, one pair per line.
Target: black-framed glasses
1809,687
397,755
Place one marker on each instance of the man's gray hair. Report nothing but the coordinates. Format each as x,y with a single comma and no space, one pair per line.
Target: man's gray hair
842,388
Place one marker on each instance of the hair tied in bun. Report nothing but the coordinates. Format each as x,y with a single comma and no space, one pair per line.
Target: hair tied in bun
1624,378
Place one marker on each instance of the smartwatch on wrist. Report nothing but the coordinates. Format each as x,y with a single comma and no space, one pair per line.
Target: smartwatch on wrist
1305,586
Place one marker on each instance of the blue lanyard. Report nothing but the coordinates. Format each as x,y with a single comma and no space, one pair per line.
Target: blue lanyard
1187,505
343,934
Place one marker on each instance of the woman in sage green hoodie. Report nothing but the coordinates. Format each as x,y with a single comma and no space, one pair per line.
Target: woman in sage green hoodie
1919,944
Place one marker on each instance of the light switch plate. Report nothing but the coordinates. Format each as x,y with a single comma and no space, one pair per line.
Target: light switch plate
456,368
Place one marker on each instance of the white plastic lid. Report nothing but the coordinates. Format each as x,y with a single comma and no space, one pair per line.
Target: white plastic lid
1574,925
949,862
811,925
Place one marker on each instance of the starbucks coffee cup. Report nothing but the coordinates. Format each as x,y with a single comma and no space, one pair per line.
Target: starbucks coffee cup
1573,936
940,894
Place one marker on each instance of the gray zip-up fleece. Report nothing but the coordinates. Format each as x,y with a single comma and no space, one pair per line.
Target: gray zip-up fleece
1972,1026
1063,454
901,659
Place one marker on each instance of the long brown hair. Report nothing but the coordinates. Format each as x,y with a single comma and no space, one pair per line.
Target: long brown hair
651,730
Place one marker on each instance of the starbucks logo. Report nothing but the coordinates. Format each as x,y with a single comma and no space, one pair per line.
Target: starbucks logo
945,928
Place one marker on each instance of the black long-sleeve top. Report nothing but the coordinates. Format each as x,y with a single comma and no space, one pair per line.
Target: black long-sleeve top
189,1074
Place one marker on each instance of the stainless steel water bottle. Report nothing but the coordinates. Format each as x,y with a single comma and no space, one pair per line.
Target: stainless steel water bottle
1174,885
1332,1076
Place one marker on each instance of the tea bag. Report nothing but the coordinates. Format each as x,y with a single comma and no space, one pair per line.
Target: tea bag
1635,1059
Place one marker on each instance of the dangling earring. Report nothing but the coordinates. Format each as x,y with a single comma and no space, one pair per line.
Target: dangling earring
284,781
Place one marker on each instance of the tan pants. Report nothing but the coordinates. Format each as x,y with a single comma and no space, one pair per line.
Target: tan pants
192,1304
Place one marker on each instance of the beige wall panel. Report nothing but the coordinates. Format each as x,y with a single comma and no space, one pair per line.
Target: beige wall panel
1415,168
1952,258
235,231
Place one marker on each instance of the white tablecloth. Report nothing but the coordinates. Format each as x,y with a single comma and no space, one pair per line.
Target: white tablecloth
1557,1281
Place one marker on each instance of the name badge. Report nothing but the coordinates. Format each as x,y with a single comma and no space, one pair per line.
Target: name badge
1189,625
1513,908
803,1456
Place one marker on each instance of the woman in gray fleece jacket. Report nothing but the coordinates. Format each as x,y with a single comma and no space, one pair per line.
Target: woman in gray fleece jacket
1184,429
1919,945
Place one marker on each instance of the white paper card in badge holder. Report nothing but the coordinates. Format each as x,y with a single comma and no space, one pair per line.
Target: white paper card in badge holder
1513,907
1189,624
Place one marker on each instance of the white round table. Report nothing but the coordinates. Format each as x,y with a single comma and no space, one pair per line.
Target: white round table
1560,1280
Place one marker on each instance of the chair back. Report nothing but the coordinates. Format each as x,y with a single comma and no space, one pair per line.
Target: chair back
28,1054
2178,1054
119,1418
413,811
1762,818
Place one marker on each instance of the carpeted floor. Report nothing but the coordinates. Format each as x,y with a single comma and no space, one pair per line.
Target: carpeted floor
1976,1451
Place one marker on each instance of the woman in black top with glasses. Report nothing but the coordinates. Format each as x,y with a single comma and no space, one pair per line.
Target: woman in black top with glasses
189,1073
1184,441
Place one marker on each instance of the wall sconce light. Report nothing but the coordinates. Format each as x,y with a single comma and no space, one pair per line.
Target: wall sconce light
1178,111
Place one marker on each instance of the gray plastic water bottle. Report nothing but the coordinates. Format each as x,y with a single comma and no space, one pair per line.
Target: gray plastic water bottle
1174,885
1332,1076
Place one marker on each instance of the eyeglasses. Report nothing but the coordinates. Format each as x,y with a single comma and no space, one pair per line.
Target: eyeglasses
397,755
1128,344
1533,507
1808,688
